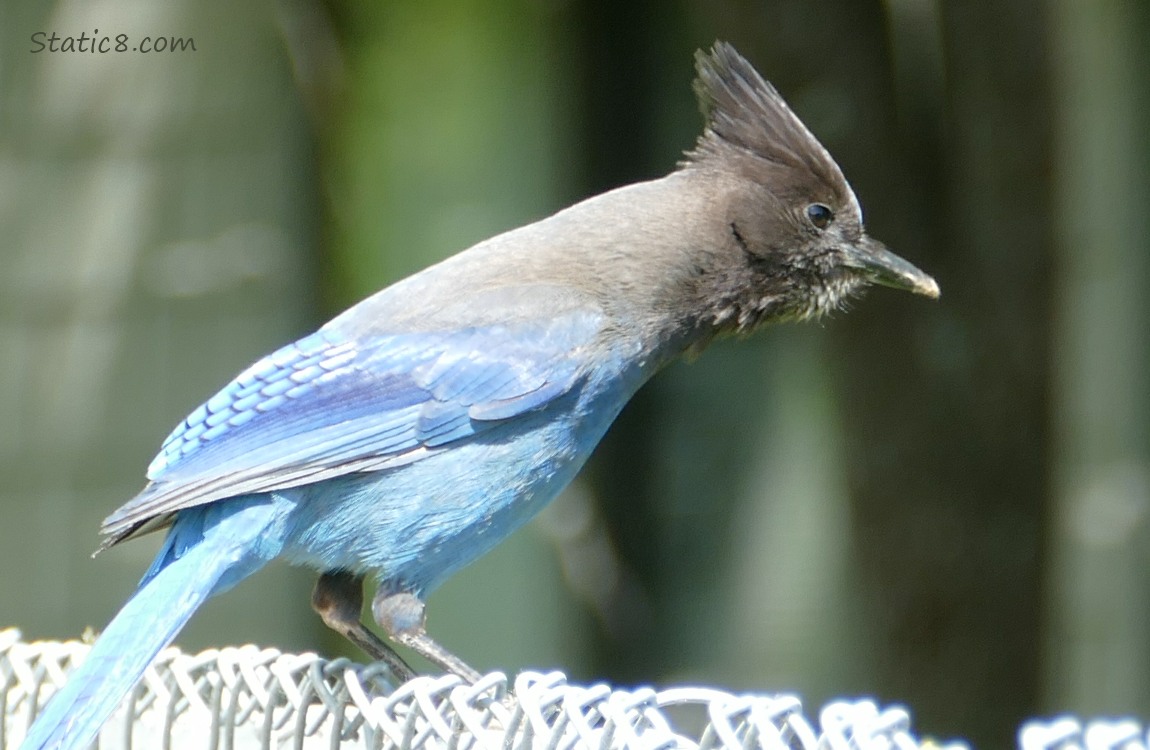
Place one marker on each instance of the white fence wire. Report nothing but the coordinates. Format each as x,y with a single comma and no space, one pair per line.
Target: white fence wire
249,697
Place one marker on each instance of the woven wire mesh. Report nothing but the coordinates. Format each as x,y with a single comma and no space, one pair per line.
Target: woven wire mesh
1069,733
250,697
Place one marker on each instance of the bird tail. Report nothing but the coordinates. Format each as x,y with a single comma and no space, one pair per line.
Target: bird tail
209,549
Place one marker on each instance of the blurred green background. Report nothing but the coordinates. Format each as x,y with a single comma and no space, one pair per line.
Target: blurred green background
938,504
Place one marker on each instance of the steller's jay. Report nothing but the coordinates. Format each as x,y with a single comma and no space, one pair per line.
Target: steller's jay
419,428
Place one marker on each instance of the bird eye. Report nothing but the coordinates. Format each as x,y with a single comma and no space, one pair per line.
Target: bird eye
820,215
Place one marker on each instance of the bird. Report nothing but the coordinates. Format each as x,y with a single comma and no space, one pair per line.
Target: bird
416,430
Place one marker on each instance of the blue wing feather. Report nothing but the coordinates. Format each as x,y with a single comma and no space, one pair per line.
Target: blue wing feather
328,405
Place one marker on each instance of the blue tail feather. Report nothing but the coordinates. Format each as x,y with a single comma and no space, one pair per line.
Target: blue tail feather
208,550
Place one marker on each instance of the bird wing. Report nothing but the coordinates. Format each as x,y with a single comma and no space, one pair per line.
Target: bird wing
331,404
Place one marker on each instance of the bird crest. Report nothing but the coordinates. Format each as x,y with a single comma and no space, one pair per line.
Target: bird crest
748,121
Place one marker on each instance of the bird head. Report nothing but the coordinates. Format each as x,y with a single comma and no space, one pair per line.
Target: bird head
795,246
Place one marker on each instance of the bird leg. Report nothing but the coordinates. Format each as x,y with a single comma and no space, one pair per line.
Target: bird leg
338,599
402,617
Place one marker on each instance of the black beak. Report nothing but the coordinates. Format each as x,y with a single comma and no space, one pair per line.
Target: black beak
881,266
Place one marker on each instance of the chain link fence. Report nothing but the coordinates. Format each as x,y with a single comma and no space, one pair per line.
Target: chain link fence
250,697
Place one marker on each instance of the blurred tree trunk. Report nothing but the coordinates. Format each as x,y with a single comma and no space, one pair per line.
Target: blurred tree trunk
947,406
1098,655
